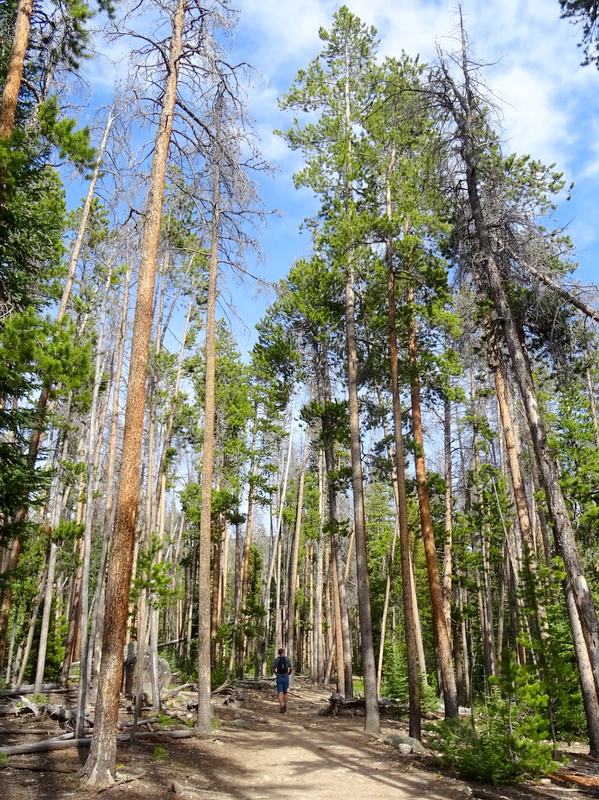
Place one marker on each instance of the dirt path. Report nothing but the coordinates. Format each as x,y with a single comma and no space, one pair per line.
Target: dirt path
301,762
255,753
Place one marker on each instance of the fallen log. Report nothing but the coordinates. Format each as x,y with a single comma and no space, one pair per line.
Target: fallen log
172,692
338,703
43,747
67,740
256,683
15,691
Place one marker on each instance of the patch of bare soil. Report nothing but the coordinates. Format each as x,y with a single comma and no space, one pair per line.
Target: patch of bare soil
256,753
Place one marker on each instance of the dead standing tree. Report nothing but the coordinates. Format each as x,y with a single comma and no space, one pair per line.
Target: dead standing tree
225,200
460,101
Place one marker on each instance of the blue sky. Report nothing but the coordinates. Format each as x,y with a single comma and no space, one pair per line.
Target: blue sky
549,102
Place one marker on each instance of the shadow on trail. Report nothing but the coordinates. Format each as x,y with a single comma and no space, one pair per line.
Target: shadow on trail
346,754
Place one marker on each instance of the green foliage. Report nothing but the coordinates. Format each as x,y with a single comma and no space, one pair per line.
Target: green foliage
32,219
3,761
507,742
61,133
163,720
395,680
218,676
560,670
155,575
55,650
159,754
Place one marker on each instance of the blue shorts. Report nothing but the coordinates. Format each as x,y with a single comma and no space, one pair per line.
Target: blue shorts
282,683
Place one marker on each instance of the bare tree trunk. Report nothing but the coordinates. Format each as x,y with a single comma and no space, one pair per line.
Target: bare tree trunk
30,634
593,405
85,666
43,639
587,684
100,766
66,293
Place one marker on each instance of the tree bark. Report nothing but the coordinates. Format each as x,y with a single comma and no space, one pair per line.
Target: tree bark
442,634
12,83
372,720
101,764
402,511
204,721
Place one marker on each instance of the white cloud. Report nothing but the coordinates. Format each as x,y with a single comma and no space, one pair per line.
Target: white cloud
549,105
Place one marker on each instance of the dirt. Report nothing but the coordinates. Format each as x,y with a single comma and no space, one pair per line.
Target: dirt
256,753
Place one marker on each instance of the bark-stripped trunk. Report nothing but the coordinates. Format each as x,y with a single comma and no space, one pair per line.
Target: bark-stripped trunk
100,766
85,666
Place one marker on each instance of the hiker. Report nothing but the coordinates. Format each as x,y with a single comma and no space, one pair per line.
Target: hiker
282,669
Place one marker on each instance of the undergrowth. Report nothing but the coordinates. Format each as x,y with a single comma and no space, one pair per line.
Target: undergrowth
506,741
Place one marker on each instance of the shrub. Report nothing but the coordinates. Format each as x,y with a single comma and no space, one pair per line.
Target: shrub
508,741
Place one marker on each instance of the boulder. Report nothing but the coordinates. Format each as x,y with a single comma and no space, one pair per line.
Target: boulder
403,742
129,663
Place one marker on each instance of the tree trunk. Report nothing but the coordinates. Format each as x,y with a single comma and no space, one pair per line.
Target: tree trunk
402,510
293,558
204,721
341,616
442,634
100,766
12,83
372,720
463,111
93,436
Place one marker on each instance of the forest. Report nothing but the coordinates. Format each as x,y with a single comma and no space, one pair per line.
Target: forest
399,483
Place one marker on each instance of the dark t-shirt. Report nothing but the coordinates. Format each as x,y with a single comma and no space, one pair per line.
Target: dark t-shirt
283,660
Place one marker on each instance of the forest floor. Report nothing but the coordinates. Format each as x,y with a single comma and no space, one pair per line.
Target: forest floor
256,753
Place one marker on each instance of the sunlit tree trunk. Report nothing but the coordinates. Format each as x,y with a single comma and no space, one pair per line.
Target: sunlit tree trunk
101,764
12,83
442,634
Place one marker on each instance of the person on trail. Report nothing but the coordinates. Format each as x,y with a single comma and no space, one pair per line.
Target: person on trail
282,669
